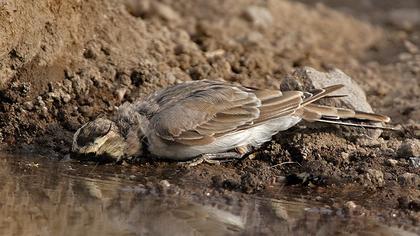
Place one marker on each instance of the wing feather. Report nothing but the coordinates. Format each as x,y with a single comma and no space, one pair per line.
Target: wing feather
205,111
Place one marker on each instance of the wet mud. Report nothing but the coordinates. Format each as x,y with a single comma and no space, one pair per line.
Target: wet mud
65,63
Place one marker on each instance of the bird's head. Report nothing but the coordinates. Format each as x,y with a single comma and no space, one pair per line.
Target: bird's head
100,137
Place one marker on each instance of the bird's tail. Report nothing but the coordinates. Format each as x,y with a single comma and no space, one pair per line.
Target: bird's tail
342,116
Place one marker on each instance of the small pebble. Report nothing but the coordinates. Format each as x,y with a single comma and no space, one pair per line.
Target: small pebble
40,101
66,97
121,93
164,183
215,53
350,205
28,105
392,162
44,110
345,156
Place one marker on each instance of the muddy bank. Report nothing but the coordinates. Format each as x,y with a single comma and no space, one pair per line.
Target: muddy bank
62,64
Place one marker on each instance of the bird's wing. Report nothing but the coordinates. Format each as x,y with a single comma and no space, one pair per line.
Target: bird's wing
212,109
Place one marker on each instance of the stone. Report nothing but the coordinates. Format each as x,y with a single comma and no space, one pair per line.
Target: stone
350,205
409,148
164,183
405,18
392,162
309,79
29,105
65,97
120,93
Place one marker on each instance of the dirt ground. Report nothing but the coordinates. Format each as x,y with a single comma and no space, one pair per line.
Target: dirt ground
63,63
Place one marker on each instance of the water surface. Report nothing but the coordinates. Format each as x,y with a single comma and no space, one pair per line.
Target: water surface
46,197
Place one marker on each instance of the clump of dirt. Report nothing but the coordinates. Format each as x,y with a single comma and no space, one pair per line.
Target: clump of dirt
64,63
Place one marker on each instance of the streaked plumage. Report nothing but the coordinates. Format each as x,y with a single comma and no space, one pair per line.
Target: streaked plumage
200,117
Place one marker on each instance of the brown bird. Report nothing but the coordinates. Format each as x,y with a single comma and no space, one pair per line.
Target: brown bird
207,121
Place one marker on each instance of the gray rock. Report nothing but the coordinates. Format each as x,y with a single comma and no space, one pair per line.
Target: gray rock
307,79
409,148
405,18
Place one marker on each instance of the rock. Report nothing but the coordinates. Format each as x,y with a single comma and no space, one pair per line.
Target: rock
405,18
40,101
44,111
259,16
29,105
411,47
65,97
409,179
391,162
170,77
308,79
164,183
215,53
345,156
376,177
409,148
350,205
120,93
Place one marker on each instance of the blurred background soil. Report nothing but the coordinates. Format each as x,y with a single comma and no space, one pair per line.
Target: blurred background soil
62,63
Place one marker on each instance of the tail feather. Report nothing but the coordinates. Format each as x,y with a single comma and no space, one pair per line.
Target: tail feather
357,125
331,112
372,117
328,114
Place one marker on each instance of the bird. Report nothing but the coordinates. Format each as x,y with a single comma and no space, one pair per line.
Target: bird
207,121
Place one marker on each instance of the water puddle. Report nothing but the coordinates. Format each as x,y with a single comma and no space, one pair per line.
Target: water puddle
44,197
